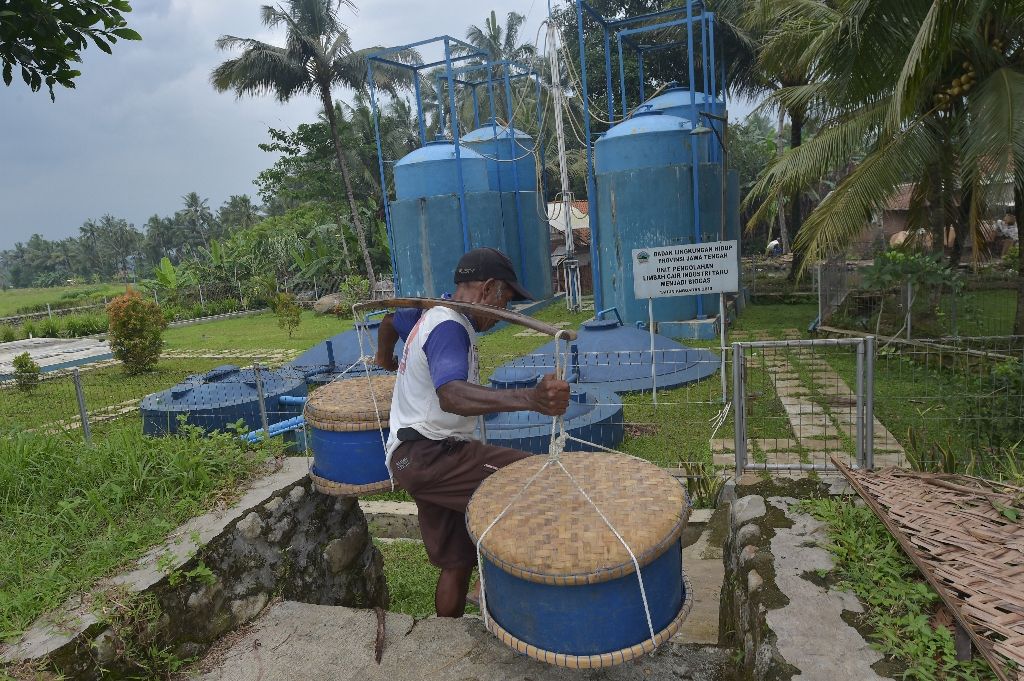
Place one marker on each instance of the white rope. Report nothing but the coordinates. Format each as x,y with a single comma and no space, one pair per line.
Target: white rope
363,357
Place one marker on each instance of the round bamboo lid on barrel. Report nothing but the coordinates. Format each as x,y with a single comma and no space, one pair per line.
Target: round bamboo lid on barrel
354,404
552,534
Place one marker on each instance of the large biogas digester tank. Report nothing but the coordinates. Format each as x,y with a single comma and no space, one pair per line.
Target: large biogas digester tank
645,199
512,171
426,219
676,101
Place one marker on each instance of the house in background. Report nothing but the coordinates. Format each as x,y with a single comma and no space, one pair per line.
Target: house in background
579,221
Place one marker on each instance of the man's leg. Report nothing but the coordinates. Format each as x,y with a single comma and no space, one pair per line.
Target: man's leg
450,595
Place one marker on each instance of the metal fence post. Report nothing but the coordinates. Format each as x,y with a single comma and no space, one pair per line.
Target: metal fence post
821,291
869,403
262,399
82,412
910,306
859,419
739,408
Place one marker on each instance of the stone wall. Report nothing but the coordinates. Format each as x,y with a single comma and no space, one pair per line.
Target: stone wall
218,572
749,591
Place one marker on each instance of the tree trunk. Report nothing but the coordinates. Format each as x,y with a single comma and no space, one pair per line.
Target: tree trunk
962,228
796,119
779,206
1018,211
344,243
357,224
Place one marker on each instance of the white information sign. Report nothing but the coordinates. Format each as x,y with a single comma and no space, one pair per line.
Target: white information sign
690,270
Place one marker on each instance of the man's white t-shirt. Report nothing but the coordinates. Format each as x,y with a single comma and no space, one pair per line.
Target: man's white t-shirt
414,403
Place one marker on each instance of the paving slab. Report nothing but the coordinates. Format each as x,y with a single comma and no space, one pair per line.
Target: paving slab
301,641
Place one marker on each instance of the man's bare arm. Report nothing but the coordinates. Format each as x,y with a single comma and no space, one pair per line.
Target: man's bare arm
387,339
550,397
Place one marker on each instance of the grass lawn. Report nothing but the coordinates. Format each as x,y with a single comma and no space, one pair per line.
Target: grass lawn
411,578
74,514
254,332
13,299
54,400
772,320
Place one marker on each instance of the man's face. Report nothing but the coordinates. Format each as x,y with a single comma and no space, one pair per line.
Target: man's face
496,293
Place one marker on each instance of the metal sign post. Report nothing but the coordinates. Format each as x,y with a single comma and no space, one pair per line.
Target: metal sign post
690,270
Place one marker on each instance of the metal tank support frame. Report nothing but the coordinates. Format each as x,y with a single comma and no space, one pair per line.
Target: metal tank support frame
623,29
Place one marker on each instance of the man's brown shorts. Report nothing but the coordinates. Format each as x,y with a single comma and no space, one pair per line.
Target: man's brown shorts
441,475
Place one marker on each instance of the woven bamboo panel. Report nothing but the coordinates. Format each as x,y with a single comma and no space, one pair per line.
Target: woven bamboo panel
342,489
969,551
553,535
350,405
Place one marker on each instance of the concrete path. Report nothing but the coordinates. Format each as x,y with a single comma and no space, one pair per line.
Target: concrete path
299,641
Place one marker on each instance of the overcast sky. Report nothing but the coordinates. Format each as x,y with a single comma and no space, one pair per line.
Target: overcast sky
144,126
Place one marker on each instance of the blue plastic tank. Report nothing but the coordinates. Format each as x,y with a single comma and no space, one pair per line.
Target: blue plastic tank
337,358
594,415
504,147
675,101
644,174
609,356
221,397
432,170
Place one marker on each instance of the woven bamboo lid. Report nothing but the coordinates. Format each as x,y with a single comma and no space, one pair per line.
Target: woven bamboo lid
553,535
349,405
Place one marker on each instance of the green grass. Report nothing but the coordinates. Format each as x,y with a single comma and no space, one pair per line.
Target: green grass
983,313
254,332
13,299
54,400
900,605
772,320
411,578
72,513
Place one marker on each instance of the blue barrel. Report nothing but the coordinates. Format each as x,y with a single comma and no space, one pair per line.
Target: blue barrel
594,415
558,584
607,355
219,398
347,431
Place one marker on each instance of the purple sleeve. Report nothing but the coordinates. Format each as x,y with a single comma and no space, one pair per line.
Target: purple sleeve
403,320
447,350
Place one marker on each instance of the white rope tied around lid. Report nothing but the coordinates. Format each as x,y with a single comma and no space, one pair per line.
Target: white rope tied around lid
555,449
365,359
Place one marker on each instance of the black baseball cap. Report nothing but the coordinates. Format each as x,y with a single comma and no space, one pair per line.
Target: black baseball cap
481,264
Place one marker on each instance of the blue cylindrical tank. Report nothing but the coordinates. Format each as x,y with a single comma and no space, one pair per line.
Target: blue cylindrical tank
644,174
432,170
512,170
219,398
675,101
426,219
594,415
504,147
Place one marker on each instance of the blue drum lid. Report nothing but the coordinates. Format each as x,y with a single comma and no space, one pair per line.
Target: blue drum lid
224,386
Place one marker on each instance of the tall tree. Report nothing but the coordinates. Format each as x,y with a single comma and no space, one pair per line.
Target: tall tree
238,212
317,56
934,88
43,39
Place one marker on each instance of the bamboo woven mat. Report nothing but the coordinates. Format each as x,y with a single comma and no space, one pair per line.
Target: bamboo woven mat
955,530
553,535
349,405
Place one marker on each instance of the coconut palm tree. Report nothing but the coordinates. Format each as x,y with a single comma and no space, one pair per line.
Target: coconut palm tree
317,56
933,88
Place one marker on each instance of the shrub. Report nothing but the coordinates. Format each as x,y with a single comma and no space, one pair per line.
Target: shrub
76,326
49,328
29,329
7,333
354,289
26,372
136,326
288,312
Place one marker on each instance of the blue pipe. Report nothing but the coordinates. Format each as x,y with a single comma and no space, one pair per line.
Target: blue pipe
694,172
640,66
292,400
458,149
419,108
476,108
622,76
607,72
279,428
